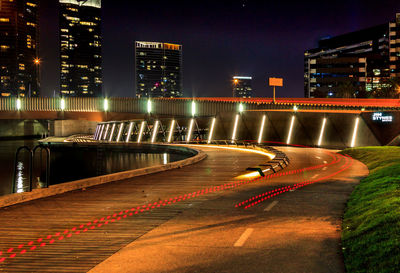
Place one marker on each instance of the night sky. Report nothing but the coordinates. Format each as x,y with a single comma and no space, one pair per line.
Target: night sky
220,39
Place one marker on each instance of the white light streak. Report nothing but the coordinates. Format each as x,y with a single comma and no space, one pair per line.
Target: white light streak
242,78
96,132
121,127
101,132
189,135
128,137
155,131
106,132
171,131
261,130
141,132
211,131
62,104
149,106
353,140
290,130
112,132
235,128
322,132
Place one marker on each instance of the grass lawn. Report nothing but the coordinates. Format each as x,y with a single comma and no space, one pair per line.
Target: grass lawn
371,224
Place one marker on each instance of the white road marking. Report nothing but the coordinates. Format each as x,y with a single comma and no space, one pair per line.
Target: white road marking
318,157
246,234
314,176
325,162
324,169
270,206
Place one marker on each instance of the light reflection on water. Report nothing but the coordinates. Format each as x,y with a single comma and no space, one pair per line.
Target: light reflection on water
69,164
20,176
7,156
165,158
122,161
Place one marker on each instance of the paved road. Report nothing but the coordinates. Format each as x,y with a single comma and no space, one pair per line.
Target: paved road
295,229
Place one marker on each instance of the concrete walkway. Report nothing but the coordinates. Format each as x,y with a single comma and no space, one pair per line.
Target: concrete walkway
202,231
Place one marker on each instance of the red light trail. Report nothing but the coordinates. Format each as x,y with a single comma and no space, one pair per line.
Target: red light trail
97,223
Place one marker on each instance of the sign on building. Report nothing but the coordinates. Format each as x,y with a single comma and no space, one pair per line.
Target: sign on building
382,117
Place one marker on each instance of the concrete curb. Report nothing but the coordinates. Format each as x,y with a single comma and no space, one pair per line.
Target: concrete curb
17,198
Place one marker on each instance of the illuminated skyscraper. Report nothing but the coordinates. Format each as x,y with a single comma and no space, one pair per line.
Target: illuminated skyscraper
158,69
19,47
242,87
80,48
360,60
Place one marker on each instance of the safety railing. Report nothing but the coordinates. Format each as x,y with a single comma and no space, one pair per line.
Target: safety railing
31,168
183,106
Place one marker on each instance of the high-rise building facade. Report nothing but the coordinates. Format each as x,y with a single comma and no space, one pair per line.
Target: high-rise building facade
80,48
242,87
361,60
158,69
19,47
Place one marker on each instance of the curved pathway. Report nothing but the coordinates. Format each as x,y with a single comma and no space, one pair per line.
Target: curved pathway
196,219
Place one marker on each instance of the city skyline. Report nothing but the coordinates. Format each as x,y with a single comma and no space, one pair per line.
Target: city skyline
256,43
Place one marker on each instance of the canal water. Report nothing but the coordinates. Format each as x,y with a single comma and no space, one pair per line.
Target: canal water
69,163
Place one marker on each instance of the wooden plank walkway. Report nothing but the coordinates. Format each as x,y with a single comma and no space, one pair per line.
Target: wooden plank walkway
73,232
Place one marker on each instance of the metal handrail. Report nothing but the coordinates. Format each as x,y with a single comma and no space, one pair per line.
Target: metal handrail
31,164
42,147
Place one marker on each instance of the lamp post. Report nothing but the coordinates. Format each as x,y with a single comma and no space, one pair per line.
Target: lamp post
36,62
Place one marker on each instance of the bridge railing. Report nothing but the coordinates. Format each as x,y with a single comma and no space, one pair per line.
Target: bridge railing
184,106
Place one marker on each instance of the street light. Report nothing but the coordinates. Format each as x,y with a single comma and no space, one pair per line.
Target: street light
193,108
241,107
106,105
149,106
36,63
62,104
19,104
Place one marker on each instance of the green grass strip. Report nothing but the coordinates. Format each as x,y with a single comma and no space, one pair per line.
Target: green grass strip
371,224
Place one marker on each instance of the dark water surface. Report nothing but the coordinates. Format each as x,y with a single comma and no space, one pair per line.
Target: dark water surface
69,163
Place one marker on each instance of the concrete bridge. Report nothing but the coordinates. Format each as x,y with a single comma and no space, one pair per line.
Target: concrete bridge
315,122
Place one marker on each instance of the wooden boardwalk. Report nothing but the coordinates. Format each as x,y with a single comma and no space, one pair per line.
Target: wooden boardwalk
75,231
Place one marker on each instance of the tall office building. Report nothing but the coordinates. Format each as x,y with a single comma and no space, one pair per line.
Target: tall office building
80,48
158,69
19,47
242,87
361,60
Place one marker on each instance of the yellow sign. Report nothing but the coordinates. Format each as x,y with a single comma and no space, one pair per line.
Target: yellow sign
275,82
